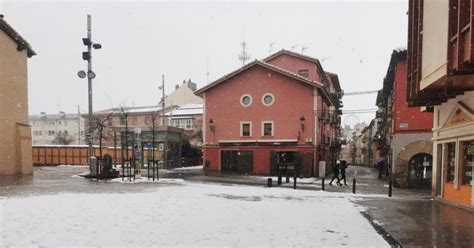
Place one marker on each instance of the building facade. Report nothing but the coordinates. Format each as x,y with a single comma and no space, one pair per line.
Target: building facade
15,145
60,129
187,117
404,132
441,80
284,109
183,94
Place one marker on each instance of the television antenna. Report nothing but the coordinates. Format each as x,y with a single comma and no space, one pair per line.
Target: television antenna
270,47
244,55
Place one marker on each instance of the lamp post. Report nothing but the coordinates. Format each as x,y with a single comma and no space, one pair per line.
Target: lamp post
90,75
302,121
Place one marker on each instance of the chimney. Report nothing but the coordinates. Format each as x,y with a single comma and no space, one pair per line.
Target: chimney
62,114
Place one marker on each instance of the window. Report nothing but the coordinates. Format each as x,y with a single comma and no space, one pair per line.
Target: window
268,99
267,128
245,129
467,161
303,73
450,161
246,100
182,123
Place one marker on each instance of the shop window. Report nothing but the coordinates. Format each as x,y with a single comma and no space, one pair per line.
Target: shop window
467,161
450,161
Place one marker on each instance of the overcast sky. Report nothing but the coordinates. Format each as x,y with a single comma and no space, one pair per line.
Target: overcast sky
141,41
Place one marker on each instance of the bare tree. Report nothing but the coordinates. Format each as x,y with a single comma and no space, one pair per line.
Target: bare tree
62,139
101,124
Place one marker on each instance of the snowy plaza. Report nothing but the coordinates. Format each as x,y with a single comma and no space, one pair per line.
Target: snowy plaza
178,213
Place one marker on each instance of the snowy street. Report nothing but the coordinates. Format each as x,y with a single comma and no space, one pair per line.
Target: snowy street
174,212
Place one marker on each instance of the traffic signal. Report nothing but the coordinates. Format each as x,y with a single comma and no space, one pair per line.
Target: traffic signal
86,56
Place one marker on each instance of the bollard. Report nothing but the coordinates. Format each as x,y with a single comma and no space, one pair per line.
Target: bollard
269,182
322,184
353,186
279,179
390,185
287,178
294,182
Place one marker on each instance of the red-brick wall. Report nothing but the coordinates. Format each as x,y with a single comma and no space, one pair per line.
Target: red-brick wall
416,120
292,99
294,64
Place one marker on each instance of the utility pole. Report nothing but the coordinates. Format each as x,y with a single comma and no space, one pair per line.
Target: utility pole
163,99
90,75
89,90
79,124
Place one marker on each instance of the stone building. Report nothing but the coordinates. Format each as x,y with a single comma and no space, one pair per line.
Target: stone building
15,135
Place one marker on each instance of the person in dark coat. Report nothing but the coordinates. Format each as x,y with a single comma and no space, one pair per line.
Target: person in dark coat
343,168
381,165
336,174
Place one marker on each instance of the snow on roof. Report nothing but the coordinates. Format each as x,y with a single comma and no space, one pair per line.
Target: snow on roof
187,109
49,117
144,109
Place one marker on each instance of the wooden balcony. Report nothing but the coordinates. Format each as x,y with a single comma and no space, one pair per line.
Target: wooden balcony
459,76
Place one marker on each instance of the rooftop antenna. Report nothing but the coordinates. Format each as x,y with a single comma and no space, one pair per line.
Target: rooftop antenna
303,48
293,47
244,56
270,47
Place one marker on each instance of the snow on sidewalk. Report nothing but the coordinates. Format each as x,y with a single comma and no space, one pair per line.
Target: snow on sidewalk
188,215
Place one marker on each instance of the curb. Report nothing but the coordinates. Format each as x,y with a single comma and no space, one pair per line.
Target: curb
385,235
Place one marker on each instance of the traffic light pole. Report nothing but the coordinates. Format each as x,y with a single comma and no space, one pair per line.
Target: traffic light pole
89,87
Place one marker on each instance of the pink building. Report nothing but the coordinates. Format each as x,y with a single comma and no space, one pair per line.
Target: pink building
282,109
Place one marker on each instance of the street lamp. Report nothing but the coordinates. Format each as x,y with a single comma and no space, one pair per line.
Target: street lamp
302,120
90,75
211,125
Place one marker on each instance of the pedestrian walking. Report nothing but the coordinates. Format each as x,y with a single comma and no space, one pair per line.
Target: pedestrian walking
336,174
343,168
381,165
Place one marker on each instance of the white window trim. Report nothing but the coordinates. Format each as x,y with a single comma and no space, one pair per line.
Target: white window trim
242,98
263,128
241,128
263,99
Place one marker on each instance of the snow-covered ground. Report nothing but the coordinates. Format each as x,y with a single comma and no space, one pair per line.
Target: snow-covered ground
187,214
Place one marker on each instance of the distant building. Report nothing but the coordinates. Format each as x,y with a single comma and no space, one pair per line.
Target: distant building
404,132
59,128
15,135
441,80
284,109
183,94
187,117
